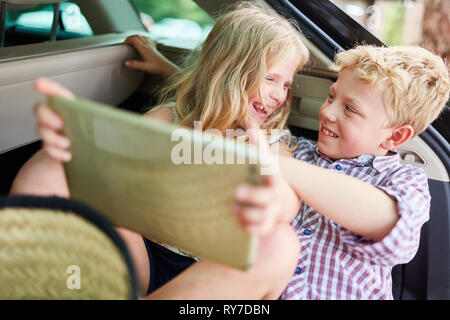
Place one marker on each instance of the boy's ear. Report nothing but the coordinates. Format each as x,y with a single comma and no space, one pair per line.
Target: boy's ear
400,135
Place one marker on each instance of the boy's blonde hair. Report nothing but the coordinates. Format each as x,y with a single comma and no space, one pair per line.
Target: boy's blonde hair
415,81
214,84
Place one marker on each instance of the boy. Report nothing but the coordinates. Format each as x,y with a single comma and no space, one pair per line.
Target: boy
353,231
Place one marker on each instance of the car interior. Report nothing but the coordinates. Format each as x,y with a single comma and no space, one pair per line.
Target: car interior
90,63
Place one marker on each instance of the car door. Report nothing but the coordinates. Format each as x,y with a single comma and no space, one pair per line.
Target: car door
91,65
87,57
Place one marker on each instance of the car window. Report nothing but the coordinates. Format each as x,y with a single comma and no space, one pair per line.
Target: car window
178,23
406,23
33,24
393,22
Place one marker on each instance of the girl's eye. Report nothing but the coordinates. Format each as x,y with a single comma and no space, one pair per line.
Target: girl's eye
269,78
287,86
349,109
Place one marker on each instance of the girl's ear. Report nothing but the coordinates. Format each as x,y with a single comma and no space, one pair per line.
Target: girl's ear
400,135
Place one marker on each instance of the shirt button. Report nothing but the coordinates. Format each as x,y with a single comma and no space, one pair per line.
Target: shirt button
306,232
298,270
338,167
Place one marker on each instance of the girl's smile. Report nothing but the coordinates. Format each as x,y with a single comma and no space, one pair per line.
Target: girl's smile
273,90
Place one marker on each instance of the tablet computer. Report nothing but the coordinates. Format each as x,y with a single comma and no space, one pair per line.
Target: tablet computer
171,184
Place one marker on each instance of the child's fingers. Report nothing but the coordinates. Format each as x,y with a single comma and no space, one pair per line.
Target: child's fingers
253,220
137,43
133,40
143,47
147,42
254,195
135,64
53,139
58,154
51,88
248,215
46,117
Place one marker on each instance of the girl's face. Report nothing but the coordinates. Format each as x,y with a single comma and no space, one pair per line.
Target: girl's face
274,89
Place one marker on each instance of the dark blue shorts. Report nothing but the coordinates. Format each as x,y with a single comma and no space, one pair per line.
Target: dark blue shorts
164,264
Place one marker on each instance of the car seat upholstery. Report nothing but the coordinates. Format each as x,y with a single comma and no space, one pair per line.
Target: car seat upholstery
54,248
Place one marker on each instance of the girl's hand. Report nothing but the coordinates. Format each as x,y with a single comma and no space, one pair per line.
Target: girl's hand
49,123
153,61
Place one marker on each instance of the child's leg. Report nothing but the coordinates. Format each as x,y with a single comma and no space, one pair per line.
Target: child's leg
139,256
42,176
275,265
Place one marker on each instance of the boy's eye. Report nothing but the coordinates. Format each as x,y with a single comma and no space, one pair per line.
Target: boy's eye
287,86
330,97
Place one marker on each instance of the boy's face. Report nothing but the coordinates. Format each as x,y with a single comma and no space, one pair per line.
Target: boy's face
351,119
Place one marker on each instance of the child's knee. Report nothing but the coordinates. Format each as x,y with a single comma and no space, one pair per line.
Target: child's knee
41,175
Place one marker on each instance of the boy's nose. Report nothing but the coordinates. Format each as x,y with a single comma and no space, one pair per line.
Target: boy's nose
328,112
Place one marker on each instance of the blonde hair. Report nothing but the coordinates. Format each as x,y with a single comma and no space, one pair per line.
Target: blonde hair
415,81
214,83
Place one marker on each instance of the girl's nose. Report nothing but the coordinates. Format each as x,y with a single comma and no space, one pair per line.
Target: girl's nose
277,94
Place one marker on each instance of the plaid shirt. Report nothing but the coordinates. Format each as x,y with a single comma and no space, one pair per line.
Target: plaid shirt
334,263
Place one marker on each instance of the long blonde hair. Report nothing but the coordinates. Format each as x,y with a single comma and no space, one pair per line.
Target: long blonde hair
213,85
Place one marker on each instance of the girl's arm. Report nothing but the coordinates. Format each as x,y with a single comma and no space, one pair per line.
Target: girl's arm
357,206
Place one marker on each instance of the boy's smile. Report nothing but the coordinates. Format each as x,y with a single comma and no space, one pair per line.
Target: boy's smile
352,120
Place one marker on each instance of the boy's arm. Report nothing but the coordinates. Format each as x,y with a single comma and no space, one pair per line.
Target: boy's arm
290,202
357,206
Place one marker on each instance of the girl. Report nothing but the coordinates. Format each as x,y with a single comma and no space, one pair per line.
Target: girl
241,79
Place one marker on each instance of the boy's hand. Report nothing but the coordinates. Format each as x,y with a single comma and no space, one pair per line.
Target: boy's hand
259,207
49,123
